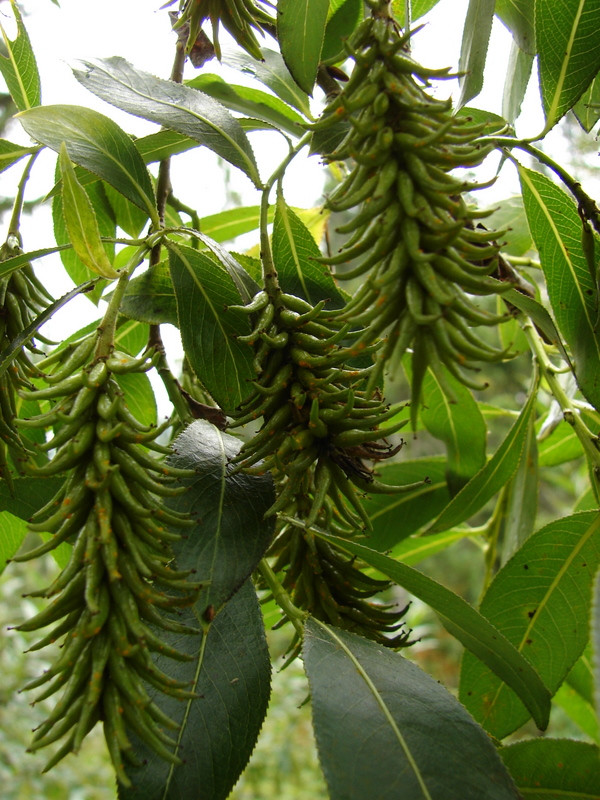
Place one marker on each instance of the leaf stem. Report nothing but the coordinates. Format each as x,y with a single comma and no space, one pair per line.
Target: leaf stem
282,598
15,220
589,442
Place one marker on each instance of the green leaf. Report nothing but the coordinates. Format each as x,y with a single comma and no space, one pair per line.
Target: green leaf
150,297
386,729
561,446
554,769
509,213
300,32
582,713
540,600
231,675
296,257
568,44
208,329
274,74
16,262
139,396
518,73
29,495
518,16
394,517
172,105
233,222
456,421
460,619
231,534
81,222
341,22
556,230
595,637
129,217
417,548
587,108
520,500
13,531
18,67
253,102
473,51
418,8
96,143
163,144
11,153
493,476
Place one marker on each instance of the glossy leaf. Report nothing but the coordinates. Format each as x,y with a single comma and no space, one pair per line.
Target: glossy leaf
18,67
587,108
11,153
231,675
394,517
250,101
540,600
172,105
341,22
456,421
300,32
386,729
492,477
521,498
518,73
13,531
97,143
230,535
139,396
460,619
81,222
243,281
274,74
296,255
518,16
208,330
418,8
556,230
417,548
568,43
473,51
554,769
233,222
150,297
129,217
163,144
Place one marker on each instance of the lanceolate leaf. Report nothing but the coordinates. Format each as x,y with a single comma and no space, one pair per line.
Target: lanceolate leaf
172,105
554,769
274,74
13,531
595,638
394,517
518,17
97,143
458,422
568,43
11,153
556,230
418,8
587,108
231,534
253,102
203,291
489,480
81,222
18,67
520,510
473,52
417,548
341,22
540,600
385,729
472,629
151,298
230,673
517,79
300,31
28,496
296,255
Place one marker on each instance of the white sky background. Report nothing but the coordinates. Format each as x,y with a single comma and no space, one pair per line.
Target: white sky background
139,31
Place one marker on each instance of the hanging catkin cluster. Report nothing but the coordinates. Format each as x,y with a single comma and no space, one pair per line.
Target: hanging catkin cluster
415,240
319,434
239,17
22,299
119,579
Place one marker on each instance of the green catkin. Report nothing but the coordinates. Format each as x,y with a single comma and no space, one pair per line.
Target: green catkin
411,143
117,579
